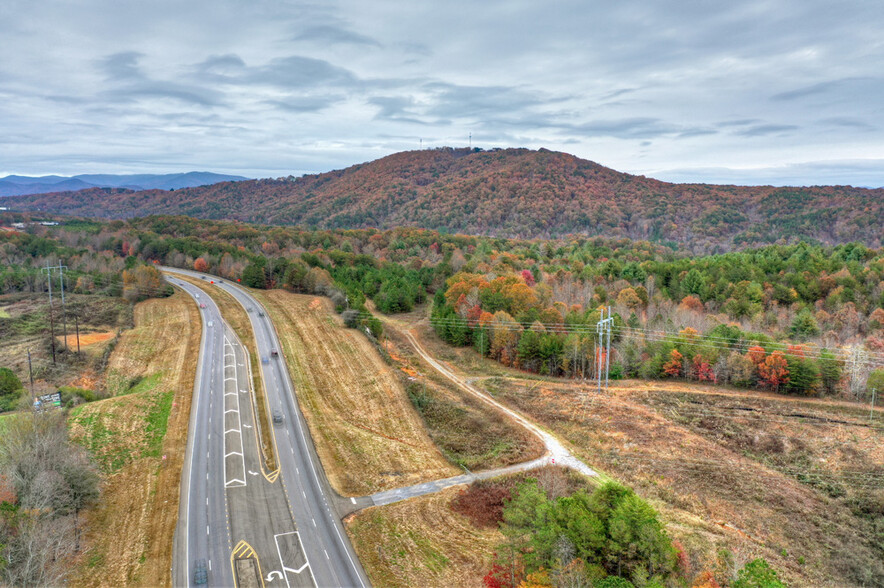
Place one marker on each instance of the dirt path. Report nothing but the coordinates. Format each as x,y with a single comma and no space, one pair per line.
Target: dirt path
556,454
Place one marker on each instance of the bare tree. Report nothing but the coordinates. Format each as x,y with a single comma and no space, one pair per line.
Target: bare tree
52,480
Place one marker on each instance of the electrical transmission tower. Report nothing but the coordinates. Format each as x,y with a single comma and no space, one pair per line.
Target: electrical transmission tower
64,309
603,358
48,269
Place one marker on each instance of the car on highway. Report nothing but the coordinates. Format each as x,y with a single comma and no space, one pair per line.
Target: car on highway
278,417
265,359
200,573
260,313
274,353
202,304
202,277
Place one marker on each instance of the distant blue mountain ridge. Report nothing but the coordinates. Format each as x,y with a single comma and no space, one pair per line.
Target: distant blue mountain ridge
22,185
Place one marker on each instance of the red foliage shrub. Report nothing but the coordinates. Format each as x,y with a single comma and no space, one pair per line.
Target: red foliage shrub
691,303
482,503
7,494
673,366
528,277
682,562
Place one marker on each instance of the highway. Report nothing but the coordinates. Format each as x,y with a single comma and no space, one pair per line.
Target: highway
232,511
203,524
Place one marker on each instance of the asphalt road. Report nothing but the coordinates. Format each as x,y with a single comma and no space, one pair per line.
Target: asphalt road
203,525
289,525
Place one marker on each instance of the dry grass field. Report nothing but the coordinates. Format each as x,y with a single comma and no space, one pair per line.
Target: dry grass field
138,438
422,542
25,326
735,474
366,432
799,486
469,432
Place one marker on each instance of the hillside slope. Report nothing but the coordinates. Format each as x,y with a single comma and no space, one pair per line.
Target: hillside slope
508,193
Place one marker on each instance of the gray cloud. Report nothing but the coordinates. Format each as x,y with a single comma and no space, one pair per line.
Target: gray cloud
334,34
304,104
122,66
766,129
838,87
268,87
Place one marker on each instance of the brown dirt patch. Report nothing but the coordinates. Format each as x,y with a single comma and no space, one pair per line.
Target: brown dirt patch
366,432
87,339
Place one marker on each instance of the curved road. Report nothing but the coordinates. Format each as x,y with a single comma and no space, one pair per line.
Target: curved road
310,536
203,501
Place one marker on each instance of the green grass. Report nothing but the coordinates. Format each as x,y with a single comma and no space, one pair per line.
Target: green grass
157,422
3,314
107,445
5,418
95,560
103,443
120,385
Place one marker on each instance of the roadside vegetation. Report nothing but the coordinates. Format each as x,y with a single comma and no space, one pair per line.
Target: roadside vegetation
367,435
470,433
138,438
422,542
120,388
45,483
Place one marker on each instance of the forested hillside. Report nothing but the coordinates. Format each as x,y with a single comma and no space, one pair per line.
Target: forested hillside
800,318
509,193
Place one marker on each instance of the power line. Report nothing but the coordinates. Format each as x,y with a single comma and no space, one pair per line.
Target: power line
792,350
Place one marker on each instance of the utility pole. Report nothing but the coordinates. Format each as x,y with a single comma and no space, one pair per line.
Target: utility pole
31,377
64,312
77,322
48,271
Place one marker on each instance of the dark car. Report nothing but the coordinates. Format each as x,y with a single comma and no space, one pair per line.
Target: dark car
274,353
278,417
200,573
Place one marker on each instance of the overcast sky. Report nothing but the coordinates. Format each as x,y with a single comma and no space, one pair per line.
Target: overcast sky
779,91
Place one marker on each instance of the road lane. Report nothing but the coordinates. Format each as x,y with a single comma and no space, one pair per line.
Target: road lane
319,531
202,531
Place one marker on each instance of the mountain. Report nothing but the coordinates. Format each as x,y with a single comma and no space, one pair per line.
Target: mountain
23,185
14,188
509,193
